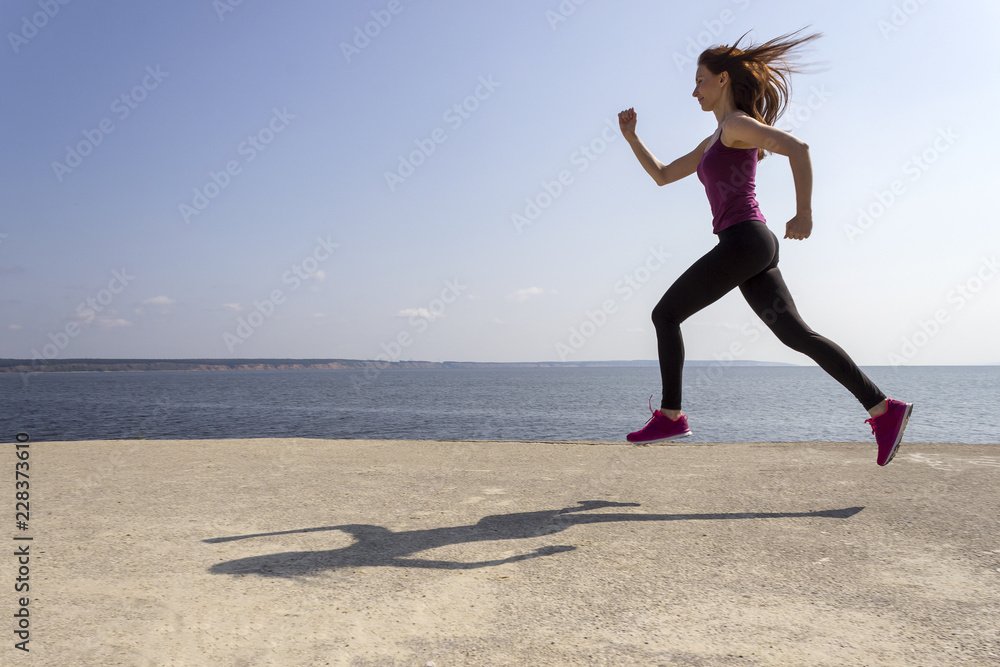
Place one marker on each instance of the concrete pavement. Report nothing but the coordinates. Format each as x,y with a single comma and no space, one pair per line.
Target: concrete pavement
379,552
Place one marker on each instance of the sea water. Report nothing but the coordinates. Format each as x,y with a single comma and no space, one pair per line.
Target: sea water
955,404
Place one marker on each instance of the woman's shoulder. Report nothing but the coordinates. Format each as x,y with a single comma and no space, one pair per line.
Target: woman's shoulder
731,123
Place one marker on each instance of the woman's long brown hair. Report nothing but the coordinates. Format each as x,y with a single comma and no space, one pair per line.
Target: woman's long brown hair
760,75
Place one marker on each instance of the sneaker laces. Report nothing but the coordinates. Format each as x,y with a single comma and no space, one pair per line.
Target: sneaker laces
871,422
652,412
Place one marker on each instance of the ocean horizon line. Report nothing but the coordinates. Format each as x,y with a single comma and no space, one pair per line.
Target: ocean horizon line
91,364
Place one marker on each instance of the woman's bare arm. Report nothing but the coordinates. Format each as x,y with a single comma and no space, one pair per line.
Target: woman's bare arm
661,173
744,130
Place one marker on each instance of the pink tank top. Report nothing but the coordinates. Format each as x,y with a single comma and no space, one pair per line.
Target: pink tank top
728,176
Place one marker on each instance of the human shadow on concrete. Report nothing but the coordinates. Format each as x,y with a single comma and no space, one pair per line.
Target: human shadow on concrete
378,546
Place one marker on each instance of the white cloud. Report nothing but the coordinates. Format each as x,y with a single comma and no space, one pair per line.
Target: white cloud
525,294
14,327
111,323
159,301
232,306
418,312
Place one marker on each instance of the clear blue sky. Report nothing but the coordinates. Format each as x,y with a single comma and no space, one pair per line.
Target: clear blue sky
176,176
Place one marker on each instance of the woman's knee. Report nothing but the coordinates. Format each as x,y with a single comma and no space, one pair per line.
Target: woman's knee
795,335
664,314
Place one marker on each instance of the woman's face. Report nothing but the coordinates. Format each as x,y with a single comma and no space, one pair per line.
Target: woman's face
707,88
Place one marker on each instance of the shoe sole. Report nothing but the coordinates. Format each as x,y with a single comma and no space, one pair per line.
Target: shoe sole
673,437
899,436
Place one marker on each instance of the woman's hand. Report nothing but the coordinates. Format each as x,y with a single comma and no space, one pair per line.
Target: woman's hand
626,121
799,227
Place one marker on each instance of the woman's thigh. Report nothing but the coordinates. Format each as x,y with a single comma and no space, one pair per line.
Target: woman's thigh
740,255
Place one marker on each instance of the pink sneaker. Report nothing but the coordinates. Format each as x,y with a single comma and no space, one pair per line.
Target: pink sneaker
660,429
888,429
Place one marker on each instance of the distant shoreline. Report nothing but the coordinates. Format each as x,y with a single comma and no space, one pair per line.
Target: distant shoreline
141,365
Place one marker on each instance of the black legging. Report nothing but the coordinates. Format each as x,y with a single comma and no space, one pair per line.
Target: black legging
746,256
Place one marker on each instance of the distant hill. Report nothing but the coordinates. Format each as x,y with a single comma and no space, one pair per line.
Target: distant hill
105,365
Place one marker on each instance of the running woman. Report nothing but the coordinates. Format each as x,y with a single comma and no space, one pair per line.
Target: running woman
747,90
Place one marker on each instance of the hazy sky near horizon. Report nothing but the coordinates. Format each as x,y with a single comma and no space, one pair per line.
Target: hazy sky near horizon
446,181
